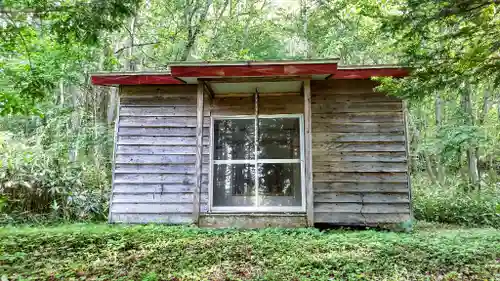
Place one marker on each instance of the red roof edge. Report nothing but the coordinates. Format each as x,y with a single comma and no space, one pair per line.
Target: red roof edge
368,73
134,79
259,69
253,70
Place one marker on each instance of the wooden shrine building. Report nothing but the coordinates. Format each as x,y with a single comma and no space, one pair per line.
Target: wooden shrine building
260,143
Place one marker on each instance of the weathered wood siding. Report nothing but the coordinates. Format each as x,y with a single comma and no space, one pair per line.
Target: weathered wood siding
358,149
359,156
154,173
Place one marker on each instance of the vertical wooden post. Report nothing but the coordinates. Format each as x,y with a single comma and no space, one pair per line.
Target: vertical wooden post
113,156
199,152
407,150
308,153
256,143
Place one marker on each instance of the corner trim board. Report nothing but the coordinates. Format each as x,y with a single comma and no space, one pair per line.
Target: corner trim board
199,152
308,153
115,149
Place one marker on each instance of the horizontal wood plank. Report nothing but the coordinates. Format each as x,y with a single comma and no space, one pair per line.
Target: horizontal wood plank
285,104
157,159
360,177
166,90
156,198
336,197
138,121
158,140
157,168
366,208
342,87
358,117
160,208
158,100
151,218
363,96
359,167
359,219
166,111
352,156
158,178
160,132
357,128
159,188
155,150
328,107
333,187
232,106
321,148
357,137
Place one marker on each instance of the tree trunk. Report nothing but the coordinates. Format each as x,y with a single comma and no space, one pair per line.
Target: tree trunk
130,63
430,169
471,150
482,118
305,22
61,92
75,122
498,111
194,30
439,120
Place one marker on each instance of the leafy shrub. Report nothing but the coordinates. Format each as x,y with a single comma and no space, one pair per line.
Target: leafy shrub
40,180
155,252
451,204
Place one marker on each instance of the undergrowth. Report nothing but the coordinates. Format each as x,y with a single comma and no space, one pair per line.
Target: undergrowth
451,204
53,170
115,252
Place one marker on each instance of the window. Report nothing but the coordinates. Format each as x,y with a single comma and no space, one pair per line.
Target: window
257,163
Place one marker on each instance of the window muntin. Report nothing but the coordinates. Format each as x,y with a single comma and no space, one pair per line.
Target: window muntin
270,162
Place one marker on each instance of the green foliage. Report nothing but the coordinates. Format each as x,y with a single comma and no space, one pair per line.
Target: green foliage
349,30
446,43
151,252
48,48
38,178
449,204
42,41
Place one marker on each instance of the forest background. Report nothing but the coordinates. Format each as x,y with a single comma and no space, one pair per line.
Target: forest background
56,128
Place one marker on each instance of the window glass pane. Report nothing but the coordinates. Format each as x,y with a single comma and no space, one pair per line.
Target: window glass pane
234,185
234,139
279,138
279,184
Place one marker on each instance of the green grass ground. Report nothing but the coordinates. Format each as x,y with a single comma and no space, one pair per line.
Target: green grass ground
152,252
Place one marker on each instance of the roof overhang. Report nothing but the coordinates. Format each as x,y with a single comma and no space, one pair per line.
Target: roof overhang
369,71
134,78
191,72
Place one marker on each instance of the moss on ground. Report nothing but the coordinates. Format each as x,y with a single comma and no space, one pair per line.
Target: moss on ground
154,252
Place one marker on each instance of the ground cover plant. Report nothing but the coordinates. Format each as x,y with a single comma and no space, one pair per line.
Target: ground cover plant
155,252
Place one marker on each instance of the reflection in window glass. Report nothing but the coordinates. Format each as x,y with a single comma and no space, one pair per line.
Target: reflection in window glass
234,185
270,178
279,138
234,139
279,184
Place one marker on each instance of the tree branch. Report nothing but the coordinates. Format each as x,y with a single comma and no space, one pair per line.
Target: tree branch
136,45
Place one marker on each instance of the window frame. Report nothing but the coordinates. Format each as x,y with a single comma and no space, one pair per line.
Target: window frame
256,161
